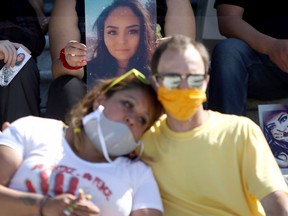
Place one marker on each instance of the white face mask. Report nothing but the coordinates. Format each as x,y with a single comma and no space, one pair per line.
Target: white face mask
111,138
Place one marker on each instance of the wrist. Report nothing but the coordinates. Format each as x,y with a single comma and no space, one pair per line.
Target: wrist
42,203
65,63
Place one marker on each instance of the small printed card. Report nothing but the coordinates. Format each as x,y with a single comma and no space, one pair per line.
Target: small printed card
7,74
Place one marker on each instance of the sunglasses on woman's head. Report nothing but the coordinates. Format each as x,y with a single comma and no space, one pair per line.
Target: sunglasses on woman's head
173,80
141,77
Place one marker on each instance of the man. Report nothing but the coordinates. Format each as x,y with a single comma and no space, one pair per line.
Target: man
253,61
205,162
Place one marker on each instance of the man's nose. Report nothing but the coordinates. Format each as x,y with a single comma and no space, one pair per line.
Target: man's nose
183,84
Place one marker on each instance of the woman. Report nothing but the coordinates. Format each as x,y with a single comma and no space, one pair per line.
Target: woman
276,133
44,163
125,40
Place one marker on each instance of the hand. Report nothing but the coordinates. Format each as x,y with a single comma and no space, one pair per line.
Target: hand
278,54
75,54
8,51
44,23
82,206
56,205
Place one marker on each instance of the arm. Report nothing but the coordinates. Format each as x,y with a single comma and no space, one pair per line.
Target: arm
180,18
276,203
14,202
146,192
63,27
38,6
232,25
19,203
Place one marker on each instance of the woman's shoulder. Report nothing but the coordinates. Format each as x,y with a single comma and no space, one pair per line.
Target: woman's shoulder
36,124
35,119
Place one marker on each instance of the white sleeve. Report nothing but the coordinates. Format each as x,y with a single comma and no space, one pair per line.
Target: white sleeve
12,136
146,192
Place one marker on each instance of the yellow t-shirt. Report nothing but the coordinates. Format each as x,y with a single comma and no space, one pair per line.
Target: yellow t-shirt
223,167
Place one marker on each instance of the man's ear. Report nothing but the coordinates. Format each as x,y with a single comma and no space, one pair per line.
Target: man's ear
99,100
153,82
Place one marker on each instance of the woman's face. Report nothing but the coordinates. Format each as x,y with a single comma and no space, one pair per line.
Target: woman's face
122,34
20,57
278,126
130,107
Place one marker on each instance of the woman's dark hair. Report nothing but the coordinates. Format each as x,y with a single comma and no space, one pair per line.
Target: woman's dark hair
142,57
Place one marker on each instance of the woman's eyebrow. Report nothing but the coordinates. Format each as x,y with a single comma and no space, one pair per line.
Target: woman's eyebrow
281,116
114,27
133,26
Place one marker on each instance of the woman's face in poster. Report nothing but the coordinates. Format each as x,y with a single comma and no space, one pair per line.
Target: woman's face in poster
278,126
122,34
20,57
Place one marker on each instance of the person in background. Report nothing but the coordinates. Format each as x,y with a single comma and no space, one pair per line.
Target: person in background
253,61
49,168
67,30
19,27
205,162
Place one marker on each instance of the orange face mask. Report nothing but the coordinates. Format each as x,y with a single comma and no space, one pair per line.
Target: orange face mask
181,104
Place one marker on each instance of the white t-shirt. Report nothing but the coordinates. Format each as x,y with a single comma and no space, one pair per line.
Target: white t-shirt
51,167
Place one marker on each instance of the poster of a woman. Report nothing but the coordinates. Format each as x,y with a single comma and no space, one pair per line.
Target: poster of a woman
273,120
120,35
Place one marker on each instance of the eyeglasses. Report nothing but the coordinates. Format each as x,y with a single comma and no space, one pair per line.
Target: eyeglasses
141,77
173,80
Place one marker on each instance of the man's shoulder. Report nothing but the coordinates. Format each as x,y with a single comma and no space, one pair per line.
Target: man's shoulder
230,119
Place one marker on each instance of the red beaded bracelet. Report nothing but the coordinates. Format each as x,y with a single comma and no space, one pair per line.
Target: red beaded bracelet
65,63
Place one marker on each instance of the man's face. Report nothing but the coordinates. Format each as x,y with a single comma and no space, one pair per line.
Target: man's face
183,62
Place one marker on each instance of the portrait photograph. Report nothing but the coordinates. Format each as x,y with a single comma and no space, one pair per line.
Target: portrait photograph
120,35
